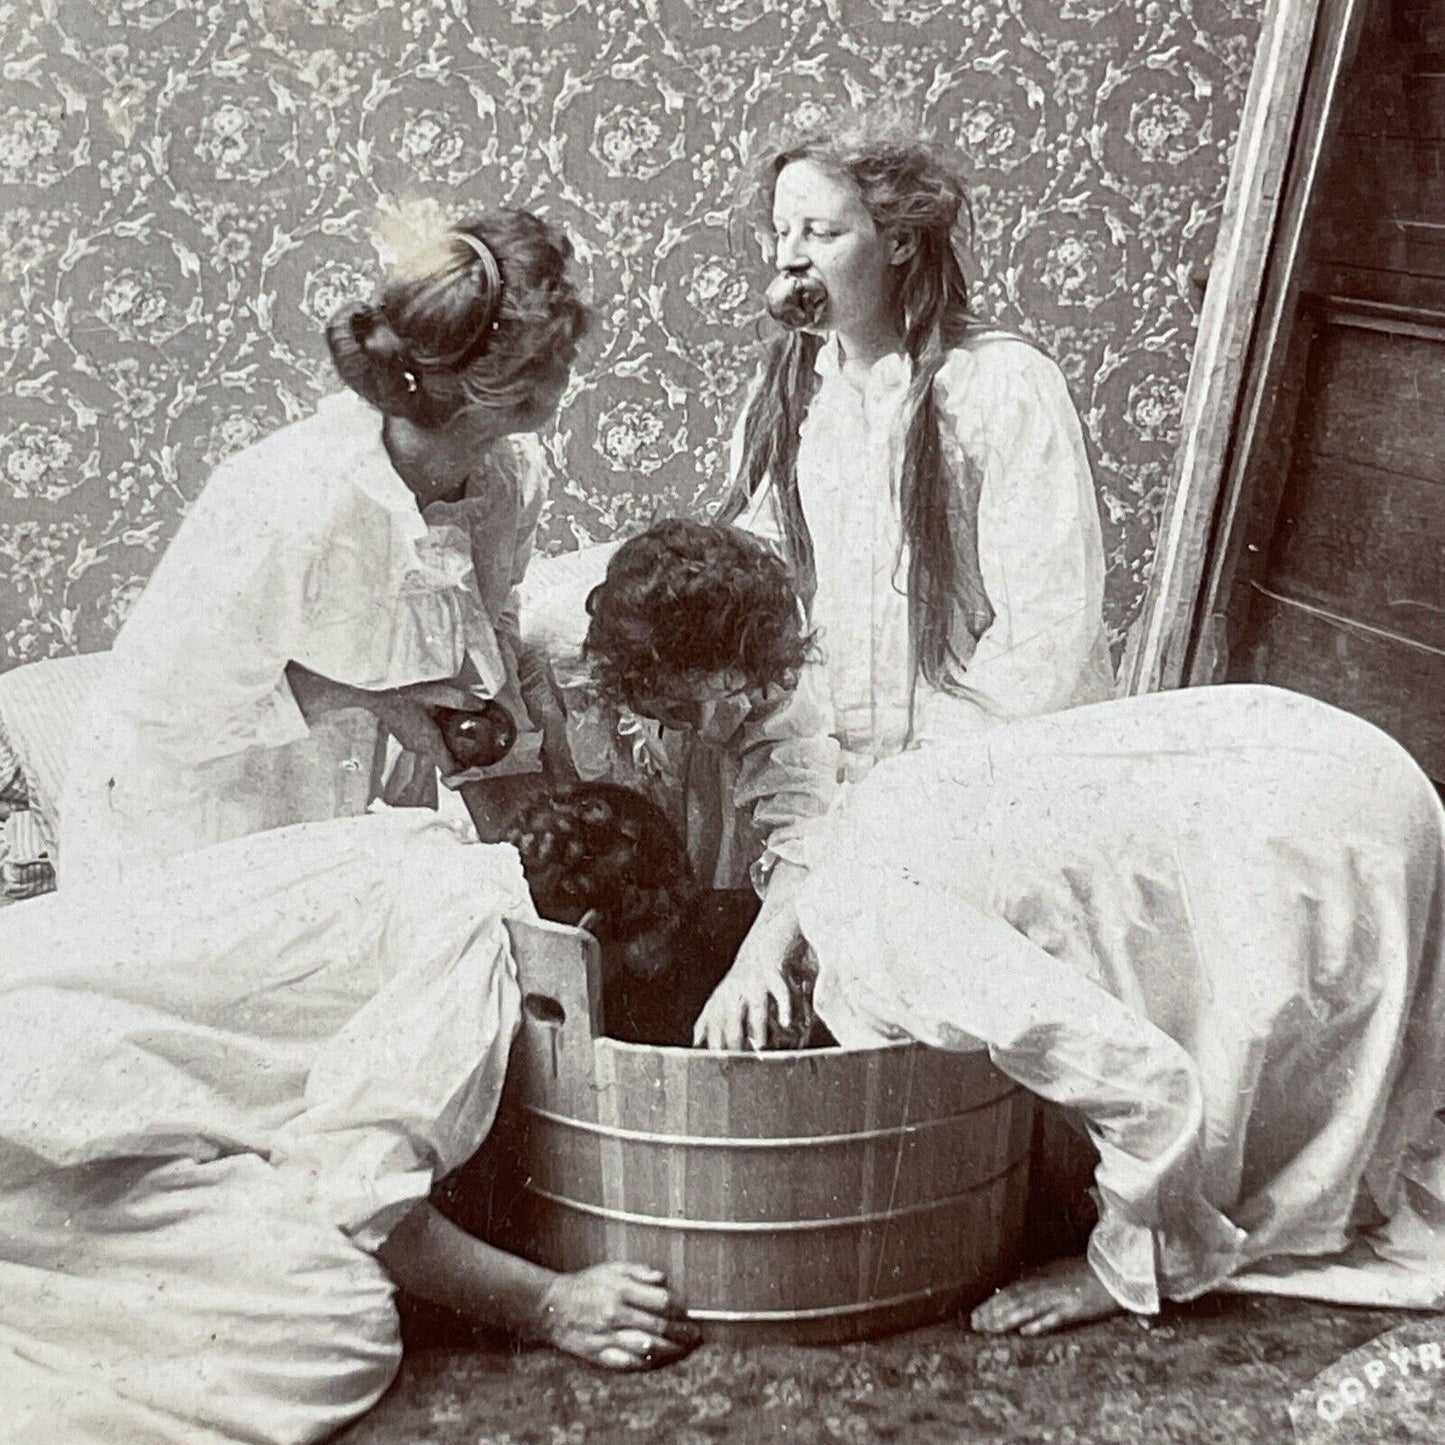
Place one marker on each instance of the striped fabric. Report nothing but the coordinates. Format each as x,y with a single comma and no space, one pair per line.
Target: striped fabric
40,704
26,853
13,792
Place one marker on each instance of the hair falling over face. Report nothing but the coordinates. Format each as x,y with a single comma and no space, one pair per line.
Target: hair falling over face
687,602
604,850
911,192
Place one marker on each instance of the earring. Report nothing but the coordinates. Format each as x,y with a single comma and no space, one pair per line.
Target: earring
409,377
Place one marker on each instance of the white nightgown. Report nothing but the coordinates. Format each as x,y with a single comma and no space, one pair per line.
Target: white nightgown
1211,922
223,1084
307,548
1004,406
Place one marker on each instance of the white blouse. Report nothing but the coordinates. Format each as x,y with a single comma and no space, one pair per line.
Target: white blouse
1005,407
308,548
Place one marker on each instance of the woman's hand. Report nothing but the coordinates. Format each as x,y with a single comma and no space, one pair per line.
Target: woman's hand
618,1315
406,712
538,685
736,1016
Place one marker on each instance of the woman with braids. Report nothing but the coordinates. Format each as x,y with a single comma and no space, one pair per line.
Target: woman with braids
685,669
924,474
230,1085
344,575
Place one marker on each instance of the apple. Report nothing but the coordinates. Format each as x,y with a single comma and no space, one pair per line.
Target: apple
797,300
477,736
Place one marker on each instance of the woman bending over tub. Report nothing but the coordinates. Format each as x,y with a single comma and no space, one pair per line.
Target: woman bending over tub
685,668
1212,924
227,1090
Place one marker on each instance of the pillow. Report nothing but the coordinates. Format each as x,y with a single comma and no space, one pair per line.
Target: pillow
40,706
554,599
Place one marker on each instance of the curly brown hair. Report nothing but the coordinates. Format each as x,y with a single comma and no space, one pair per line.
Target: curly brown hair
601,846
449,336
687,600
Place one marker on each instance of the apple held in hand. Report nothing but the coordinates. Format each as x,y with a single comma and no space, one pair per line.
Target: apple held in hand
477,737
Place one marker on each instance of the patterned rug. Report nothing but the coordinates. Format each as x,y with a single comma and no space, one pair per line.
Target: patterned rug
1220,1370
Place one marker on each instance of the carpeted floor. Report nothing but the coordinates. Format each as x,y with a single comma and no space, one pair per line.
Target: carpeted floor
1221,1370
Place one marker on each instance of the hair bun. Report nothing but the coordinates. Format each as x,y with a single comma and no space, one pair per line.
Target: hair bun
375,336
372,359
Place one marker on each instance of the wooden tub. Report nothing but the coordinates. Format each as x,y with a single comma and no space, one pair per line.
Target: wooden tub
810,1197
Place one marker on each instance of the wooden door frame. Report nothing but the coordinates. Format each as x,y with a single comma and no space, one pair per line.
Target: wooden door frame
1245,325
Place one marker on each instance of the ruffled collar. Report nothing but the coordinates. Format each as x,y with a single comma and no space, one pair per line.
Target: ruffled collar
888,375
647,743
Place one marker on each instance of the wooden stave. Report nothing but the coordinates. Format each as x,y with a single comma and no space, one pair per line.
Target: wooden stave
611,1087
740,1291
765,1183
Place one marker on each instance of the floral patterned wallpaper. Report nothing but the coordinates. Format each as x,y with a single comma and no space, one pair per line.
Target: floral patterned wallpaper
189,188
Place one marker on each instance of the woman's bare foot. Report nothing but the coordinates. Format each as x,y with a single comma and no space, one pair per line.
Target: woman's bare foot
1063,1292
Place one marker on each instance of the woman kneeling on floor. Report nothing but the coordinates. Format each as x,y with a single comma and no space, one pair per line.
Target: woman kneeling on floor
228,1089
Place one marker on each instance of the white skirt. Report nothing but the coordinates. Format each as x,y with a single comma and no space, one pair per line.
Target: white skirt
222,1086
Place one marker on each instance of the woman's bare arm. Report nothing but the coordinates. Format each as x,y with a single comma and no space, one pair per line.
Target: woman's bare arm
620,1315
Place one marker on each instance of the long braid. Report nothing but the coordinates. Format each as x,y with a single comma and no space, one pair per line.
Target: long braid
770,449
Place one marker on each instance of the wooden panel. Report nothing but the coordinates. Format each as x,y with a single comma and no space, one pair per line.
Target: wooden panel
1425,103
1305,50
1367,544
1383,208
1392,175
1375,102
1382,205
1395,685
1367,239
1372,283
1387,99
1418,23
560,971
1425,322
1377,399
1244,544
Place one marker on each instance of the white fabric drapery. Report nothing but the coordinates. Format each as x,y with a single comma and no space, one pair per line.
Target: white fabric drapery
223,1084
1210,922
